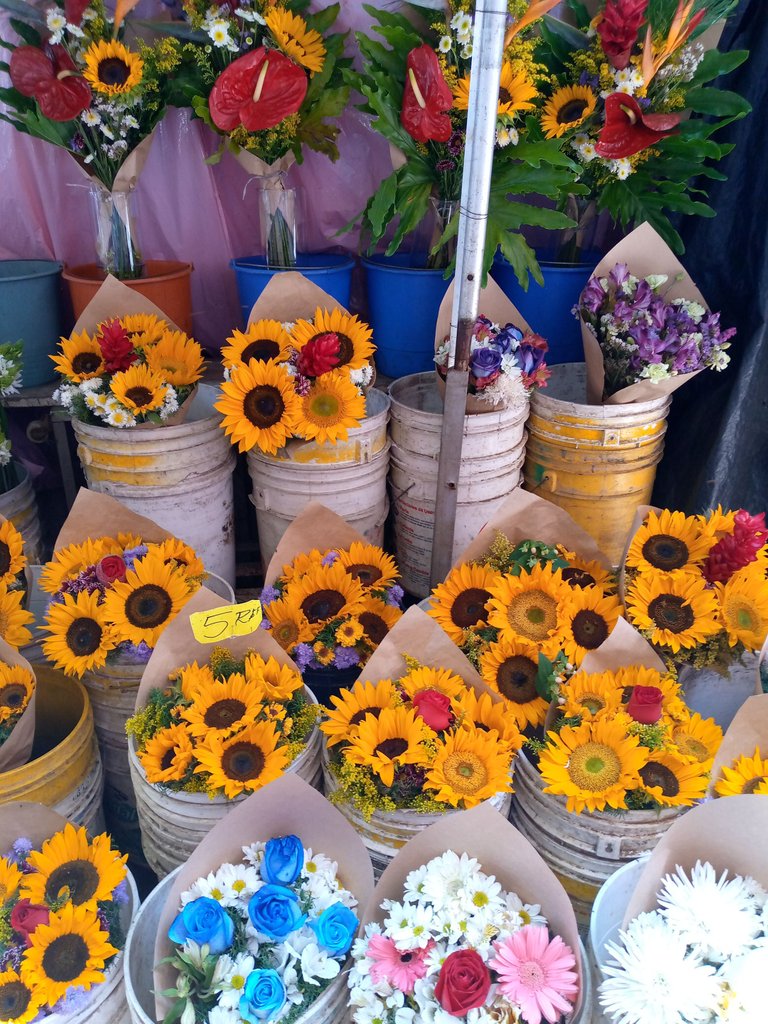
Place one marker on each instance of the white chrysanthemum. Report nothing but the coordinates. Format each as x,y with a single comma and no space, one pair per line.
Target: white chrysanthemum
507,137
208,886
119,417
718,916
254,854
652,979
91,118
5,452
129,121
744,980
238,882
409,925
96,403
623,76
218,31
447,875
319,864
222,1015
316,965
621,168
249,15
413,887
587,152
230,984
374,1012
467,50
363,376
56,23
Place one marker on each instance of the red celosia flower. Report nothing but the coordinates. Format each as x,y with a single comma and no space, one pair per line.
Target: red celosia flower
736,550
628,130
618,29
258,90
50,77
426,97
319,355
116,346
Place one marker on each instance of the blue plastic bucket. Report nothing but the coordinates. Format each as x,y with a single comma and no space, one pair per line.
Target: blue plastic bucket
329,271
403,300
548,309
30,312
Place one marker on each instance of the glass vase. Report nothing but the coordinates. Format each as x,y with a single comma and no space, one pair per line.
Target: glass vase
117,248
443,210
278,217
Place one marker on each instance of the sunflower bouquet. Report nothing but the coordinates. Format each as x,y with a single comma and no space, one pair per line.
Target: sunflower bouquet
14,617
17,708
695,586
741,762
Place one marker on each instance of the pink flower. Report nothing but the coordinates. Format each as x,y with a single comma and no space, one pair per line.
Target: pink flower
402,968
536,974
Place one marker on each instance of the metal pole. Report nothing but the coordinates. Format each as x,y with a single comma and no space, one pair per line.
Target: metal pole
485,73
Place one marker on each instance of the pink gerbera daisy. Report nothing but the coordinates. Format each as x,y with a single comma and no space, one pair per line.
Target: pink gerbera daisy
535,973
401,968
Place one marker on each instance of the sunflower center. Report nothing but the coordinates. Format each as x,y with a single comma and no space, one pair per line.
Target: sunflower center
113,71
263,406
261,350
374,627
323,604
14,1000
665,552
324,406
505,96
516,679
65,958
391,748
671,612
366,574
469,607
592,702
77,879
243,761
465,772
84,636
692,747
139,395
13,695
751,786
589,628
286,634
576,577
573,110
742,615
531,975
358,716
594,767
224,713
5,558
654,774
533,614
148,606
167,759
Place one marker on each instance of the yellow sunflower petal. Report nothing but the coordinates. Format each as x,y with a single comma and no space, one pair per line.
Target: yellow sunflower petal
327,593
673,781
79,358
461,601
176,359
355,345
510,667
388,740
352,706
531,607
260,406
745,775
12,558
112,69
300,43
588,620
668,542
151,596
471,766
374,569
139,389
13,618
168,755
515,91
17,684
288,623
743,604
377,618
331,408
674,611
567,108
244,762
262,340
697,738
70,866
81,635
18,999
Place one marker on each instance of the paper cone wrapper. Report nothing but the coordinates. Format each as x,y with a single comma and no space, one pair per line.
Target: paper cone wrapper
259,168
290,296
625,646
501,850
178,647
287,806
115,299
525,516
729,833
316,527
748,729
99,515
130,169
16,750
32,821
645,252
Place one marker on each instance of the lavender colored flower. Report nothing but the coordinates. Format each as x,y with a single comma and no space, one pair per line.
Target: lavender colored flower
394,596
120,892
20,850
265,624
484,361
330,558
269,594
508,338
75,999
591,80
619,275
346,657
11,959
131,555
77,143
593,295
303,655
135,654
531,353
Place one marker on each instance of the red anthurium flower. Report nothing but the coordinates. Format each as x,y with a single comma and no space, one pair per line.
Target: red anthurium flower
50,77
628,130
74,10
258,90
426,97
618,29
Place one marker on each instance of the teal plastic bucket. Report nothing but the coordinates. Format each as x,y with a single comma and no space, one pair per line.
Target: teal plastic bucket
331,272
30,312
403,300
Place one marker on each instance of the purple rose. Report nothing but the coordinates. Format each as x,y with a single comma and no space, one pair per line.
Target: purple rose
531,353
484,361
508,338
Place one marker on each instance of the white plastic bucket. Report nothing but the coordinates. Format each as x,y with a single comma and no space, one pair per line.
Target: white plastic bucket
362,444
179,476
719,696
19,505
492,456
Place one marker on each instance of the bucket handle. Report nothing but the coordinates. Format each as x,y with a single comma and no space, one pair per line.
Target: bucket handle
397,495
548,476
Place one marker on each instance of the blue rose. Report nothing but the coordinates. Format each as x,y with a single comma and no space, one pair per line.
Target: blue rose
275,912
205,922
263,996
283,860
335,929
484,361
508,338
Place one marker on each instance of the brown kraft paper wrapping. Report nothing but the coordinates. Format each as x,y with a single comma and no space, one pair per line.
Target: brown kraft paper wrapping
32,821
115,299
259,168
748,730
96,515
625,646
16,750
289,296
316,527
287,806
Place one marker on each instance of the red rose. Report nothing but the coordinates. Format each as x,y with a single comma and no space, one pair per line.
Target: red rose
319,355
110,569
463,983
645,704
26,916
116,346
434,708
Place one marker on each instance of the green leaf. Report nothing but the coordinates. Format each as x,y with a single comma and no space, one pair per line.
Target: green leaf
718,102
581,13
413,208
714,63
544,677
382,204
27,33
566,38
322,20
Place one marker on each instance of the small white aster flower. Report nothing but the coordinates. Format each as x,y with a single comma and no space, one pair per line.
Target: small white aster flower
218,32
467,50
5,453
445,44
587,152
248,15
120,418
56,23
91,118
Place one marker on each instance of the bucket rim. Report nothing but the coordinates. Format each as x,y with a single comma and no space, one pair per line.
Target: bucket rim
158,271
53,267
382,262
336,262
152,433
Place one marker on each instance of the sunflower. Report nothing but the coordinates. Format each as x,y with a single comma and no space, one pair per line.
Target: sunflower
81,634
180,556
590,695
583,572
486,714
675,611
177,359
262,340
69,867
70,561
588,619
377,618
669,542
746,775
260,406
673,781
112,68
80,358
530,607
388,740
300,43
323,654
274,680
243,763
145,329
593,765
744,607
697,738
10,880
13,618
12,559
460,602
19,1003
191,678
17,684
471,766
510,667
368,564
331,408
355,345
139,389
718,522
428,678
327,593
224,708
567,108
302,564
673,707
68,952
350,632
168,756
352,706
150,597
515,91
288,623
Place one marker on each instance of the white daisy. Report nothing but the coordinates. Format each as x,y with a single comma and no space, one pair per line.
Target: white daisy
5,453
231,983
222,1015
56,23
445,44
248,15
208,886
91,118
447,875
254,854
218,32
621,168
238,882
409,925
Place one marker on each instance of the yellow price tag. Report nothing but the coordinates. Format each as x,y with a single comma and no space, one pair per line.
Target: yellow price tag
223,623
